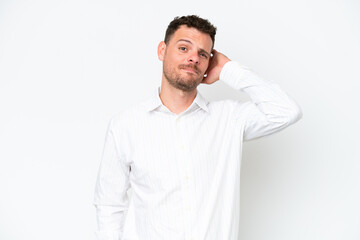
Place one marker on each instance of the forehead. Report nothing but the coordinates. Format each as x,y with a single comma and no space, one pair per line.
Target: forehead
200,39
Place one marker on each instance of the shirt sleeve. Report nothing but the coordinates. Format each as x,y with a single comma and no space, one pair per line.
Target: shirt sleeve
270,108
111,199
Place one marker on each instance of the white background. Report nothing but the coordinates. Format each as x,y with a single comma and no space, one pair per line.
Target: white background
66,67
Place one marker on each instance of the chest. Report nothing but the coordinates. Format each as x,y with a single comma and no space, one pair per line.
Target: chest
164,153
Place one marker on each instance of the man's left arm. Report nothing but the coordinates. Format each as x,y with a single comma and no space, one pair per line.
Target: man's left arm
270,109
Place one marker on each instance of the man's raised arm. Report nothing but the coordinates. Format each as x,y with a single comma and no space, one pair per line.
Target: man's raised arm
270,109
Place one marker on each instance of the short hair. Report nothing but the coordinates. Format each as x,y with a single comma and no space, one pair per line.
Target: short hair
202,25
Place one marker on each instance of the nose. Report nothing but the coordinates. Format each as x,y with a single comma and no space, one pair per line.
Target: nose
194,58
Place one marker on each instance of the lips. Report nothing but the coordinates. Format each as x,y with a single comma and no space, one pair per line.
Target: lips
189,68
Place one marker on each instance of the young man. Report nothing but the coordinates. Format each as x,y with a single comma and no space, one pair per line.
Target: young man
181,154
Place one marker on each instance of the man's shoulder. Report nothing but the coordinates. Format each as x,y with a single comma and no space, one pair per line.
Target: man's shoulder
129,113
229,109
225,104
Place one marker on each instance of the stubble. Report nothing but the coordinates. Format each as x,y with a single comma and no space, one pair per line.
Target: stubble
186,82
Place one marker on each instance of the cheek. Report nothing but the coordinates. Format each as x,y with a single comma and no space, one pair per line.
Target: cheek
204,66
172,60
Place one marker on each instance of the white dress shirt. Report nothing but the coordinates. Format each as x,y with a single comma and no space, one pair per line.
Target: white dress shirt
184,169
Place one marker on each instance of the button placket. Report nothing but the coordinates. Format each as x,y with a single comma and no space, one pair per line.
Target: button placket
183,161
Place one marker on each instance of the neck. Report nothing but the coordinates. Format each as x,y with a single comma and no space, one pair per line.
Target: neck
175,99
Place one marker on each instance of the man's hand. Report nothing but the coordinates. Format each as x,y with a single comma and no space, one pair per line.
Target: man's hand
216,63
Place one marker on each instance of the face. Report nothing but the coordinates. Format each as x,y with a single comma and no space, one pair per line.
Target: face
185,58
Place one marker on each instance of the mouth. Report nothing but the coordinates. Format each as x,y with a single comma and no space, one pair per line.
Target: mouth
189,69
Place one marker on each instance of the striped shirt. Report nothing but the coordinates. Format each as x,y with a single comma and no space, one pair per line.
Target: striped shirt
184,169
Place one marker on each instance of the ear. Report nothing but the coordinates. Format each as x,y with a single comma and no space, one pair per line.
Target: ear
161,50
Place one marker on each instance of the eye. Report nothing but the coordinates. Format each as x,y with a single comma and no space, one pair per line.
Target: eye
203,55
183,49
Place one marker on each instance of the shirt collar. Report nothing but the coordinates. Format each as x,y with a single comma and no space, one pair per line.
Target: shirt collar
155,101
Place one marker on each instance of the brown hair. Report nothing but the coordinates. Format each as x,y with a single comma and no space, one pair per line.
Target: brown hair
203,25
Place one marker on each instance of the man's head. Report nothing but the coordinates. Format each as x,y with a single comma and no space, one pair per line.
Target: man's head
186,51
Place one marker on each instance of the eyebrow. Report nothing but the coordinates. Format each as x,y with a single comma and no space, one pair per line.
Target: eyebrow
201,50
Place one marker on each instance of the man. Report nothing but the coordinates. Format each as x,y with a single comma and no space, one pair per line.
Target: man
181,154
